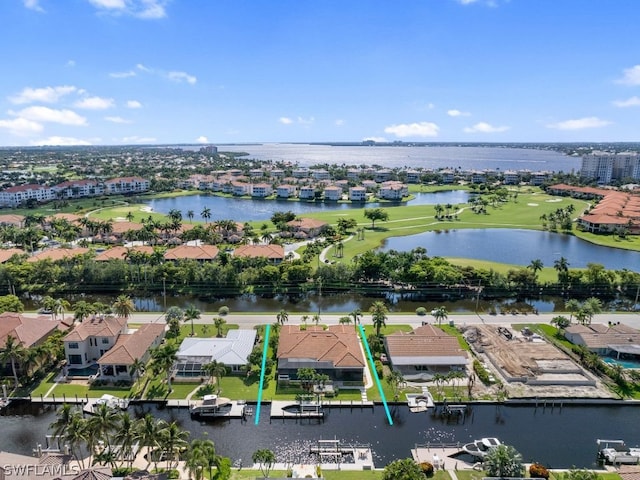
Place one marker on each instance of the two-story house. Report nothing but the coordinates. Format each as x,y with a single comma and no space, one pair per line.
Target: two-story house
91,339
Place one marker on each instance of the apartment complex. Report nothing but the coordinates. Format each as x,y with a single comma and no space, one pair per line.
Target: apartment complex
605,167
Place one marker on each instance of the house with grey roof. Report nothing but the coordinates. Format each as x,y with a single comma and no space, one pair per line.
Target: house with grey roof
615,339
232,350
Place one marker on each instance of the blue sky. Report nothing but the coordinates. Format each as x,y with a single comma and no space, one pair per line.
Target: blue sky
108,72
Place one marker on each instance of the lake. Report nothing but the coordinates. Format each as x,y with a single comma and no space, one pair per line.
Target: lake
246,210
518,247
559,437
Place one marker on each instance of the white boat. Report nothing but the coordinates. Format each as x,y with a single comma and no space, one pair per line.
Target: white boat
616,452
480,448
110,401
419,402
212,406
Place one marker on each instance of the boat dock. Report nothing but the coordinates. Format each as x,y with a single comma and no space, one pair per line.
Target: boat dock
442,455
289,409
334,450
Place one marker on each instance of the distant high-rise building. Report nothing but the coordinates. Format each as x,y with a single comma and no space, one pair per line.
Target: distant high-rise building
605,166
209,149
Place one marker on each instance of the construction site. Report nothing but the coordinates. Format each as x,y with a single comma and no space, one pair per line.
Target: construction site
530,367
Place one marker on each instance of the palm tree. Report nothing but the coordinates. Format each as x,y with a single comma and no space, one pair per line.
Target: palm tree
129,216
148,434
395,380
219,322
190,215
59,307
125,436
81,310
503,461
379,313
136,369
13,352
164,356
63,420
206,214
172,440
535,266
562,267
357,316
439,313
76,434
265,458
215,370
123,306
572,305
190,314
282,317
103,422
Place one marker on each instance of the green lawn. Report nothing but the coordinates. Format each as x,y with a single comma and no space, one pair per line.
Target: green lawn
71,390
45,385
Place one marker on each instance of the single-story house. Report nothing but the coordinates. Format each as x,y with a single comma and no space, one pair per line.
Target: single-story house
424,352
129,347
615,340
335,352
274,253
201,253
232,350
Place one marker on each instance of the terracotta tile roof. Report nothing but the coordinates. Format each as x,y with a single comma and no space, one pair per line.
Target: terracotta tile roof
202,252
94,473
273,252
338,345
7,253
25,188
10,219
119,253
126,180
56,254
425,341
96,327
130,347
307,223
28,330
69,217
121,227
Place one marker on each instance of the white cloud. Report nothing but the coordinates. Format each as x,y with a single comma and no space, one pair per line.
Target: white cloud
46,114
137,139
117,120
182,77
306,121
629,102
457,113
285,120
580,123
421,129
145,9
21,126
202,139
60,141
128,74
339,122
95,103
71,63
46,94
484,127
630,76
33,5
375,139
133,104
141,67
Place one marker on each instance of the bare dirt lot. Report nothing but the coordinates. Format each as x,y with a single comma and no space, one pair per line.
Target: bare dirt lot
528,366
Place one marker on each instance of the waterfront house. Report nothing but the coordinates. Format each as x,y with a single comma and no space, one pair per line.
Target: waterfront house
274,253
307,192
286,191
333,193
116,363
335,352
358,194
413,176
27,331
232,350
261,190
91,339
393,191
425,351
616,339
239,188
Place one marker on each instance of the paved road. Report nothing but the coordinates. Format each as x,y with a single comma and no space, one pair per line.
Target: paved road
249,320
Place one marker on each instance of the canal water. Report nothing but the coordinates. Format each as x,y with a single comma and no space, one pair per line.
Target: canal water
557,435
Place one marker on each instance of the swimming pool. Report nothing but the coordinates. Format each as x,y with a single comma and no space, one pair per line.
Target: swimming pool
82,372
624,363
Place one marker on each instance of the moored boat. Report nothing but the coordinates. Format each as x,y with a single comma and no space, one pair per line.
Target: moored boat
480,448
